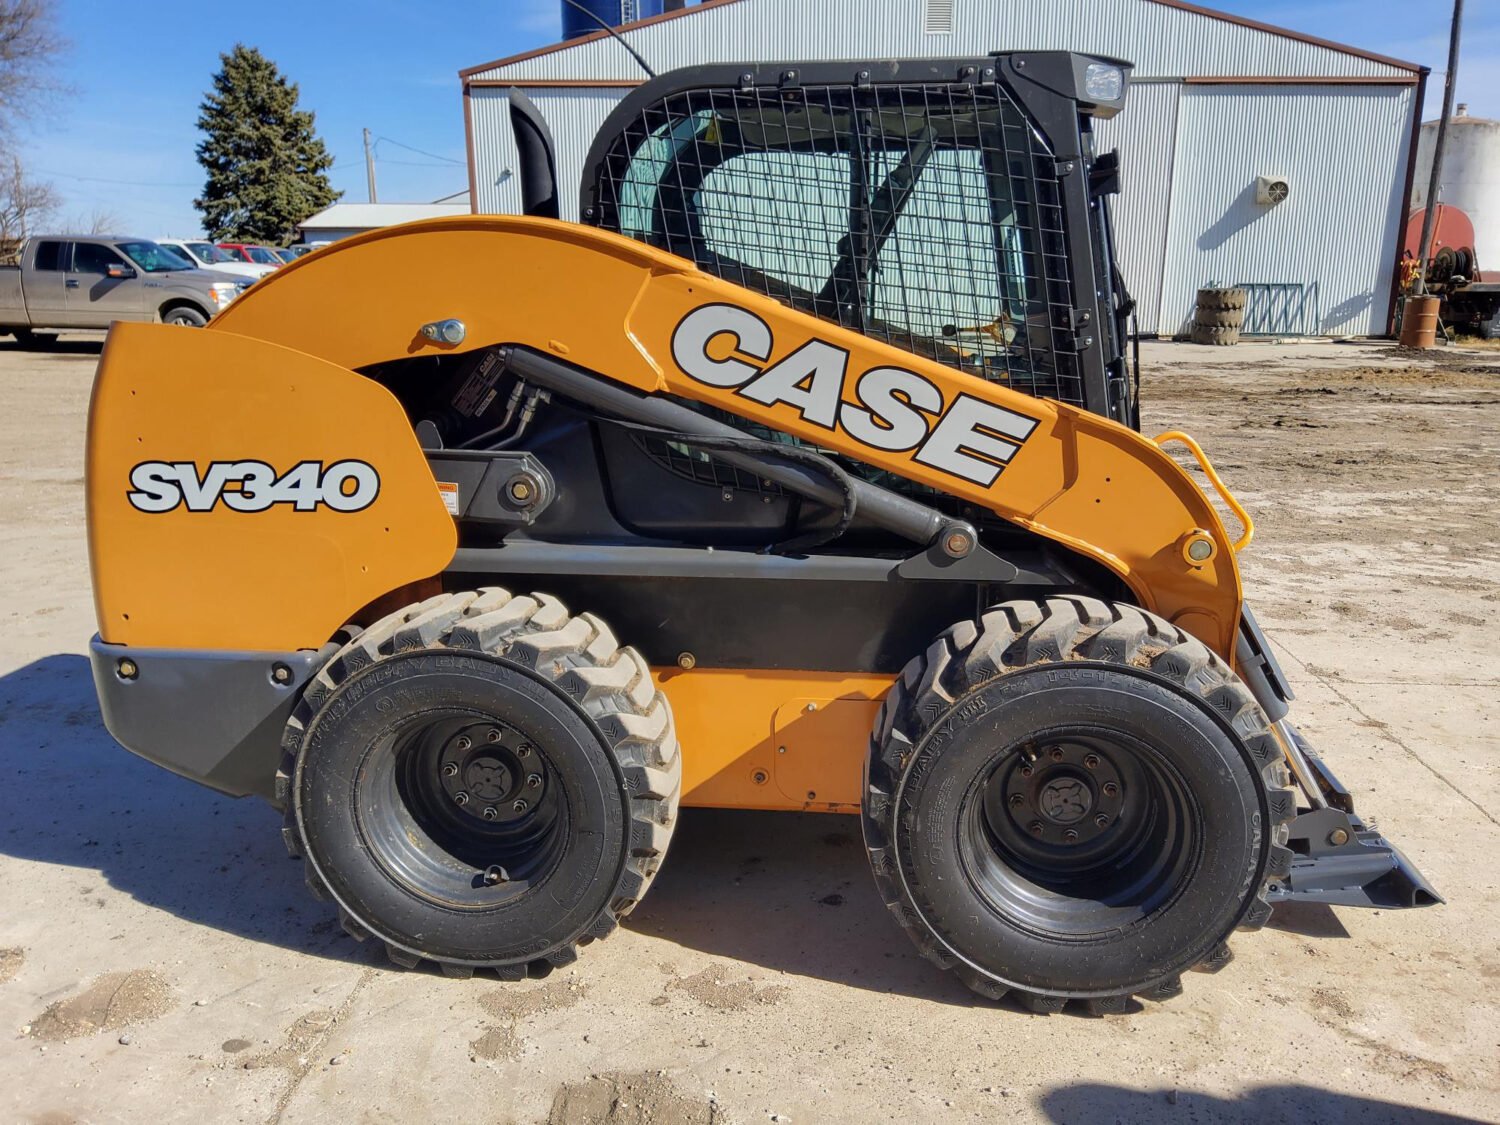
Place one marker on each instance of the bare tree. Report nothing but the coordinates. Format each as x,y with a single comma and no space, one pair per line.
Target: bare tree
29,48
101,220
25,205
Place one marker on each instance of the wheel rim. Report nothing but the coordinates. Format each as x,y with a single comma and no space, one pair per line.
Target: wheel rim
1079,832
462,809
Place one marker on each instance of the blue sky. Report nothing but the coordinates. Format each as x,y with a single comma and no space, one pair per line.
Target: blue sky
122,140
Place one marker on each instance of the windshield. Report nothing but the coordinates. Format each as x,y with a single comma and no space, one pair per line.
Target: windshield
208,253
153,257
261,256
285,255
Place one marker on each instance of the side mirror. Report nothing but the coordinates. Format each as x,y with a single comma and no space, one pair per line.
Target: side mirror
119,272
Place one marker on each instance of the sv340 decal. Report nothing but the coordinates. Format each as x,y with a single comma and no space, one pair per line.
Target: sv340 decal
252,486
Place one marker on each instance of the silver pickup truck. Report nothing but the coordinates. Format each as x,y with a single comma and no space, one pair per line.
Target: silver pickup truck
90,281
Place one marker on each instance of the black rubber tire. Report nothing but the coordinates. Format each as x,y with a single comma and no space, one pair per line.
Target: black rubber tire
1219,318
974,698
185,316
1215,337
523,661
1222,298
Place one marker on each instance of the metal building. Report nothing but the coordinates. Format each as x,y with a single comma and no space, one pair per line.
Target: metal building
1221,108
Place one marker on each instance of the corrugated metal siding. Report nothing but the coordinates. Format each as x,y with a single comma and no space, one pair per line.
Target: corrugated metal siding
1161,41
574,116
1145,135
497,189
1335,238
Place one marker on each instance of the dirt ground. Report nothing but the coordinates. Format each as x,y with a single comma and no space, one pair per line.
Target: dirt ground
160,961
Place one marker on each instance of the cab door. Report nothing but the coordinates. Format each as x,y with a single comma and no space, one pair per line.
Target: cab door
103,287
45,284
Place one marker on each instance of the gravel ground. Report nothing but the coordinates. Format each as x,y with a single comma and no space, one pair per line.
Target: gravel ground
159,960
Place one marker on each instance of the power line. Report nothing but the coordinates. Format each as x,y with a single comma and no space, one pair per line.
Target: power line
418,151
411,163
121,183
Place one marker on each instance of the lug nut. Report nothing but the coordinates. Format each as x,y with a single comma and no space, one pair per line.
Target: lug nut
1027,771
464,742
492,736
491,813
533,781
1017,800
520,806
460,798
1111,789
1035,828
450,770
1070,836
1091,761
1101,820
523,750
1055,754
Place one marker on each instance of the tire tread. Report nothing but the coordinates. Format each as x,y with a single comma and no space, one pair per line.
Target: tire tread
579,654
1018,635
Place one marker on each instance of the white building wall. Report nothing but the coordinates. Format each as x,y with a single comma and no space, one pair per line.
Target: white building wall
1145,135
1332,247
1188,151
1161,40
574,115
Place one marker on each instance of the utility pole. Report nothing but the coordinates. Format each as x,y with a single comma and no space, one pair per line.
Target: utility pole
370,165
1429,219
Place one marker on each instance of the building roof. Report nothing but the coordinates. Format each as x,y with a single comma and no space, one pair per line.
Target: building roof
358,216
487,71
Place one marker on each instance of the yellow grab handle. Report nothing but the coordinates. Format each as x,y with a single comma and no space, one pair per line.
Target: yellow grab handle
1220,487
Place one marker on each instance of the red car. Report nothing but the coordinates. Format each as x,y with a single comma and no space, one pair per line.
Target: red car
249,252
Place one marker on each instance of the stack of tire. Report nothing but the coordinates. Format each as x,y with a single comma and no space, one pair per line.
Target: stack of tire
1219,316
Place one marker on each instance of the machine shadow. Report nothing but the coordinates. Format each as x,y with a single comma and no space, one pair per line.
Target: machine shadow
72,346
783,890
1098,1101
75,798
790,892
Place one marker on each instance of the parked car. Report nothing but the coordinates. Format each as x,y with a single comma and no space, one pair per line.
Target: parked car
285,253
250,252
78,281
205,255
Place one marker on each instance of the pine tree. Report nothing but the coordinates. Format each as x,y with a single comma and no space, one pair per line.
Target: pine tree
266,165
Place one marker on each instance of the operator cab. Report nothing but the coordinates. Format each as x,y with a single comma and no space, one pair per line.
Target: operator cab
954,208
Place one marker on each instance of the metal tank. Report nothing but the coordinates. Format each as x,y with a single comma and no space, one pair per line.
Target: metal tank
612,12
1471,180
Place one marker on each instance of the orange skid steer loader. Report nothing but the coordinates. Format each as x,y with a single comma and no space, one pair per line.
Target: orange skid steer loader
802,474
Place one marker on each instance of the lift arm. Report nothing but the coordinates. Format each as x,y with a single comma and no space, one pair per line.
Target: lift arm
625,312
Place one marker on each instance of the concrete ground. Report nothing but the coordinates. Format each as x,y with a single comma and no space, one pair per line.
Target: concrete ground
160,961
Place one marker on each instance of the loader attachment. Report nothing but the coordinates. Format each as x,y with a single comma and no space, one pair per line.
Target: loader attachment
1340,860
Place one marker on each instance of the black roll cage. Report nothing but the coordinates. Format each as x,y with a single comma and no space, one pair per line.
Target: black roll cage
1048,86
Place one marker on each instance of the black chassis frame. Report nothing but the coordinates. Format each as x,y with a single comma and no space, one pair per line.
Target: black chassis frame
1049,87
